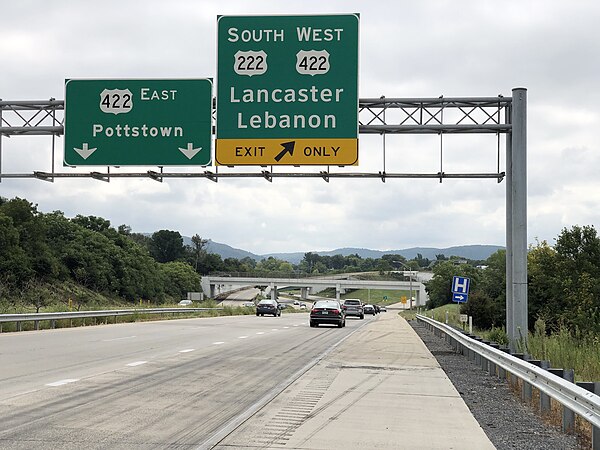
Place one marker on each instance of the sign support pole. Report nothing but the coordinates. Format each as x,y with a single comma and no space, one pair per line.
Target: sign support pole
518,186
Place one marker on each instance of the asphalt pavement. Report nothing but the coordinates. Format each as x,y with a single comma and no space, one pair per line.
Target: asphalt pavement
379,389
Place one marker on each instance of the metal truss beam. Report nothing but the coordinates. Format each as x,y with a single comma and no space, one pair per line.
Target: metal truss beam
31,117
380,116
105,176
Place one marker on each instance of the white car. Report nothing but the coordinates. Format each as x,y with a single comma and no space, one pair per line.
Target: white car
185,303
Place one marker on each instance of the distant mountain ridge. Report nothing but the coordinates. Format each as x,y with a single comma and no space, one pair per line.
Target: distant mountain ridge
476,252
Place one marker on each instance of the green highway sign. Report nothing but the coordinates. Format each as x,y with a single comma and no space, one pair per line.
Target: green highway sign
287,90
138,122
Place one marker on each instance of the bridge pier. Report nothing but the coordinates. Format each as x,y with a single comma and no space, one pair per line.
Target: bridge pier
304,293
273,291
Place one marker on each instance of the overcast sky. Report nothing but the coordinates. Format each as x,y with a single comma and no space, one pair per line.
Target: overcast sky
411,49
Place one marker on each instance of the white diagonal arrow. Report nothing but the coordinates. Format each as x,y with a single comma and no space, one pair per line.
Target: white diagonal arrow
84,151
190,151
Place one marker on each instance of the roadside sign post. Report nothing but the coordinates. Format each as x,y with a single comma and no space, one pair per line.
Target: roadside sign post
460,289
138,122
287,90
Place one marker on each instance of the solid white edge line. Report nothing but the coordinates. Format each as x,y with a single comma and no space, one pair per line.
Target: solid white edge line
242,337
218,343
187,350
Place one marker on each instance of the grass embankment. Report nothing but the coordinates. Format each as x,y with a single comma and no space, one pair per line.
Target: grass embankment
372,296
65,297
561,348
137,317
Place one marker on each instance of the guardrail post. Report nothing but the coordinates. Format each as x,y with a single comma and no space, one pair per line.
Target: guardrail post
491,366
502,370
568,415
477,356
527,387
36,325
53,324
513,378
484,360
544,398
19,327
594,388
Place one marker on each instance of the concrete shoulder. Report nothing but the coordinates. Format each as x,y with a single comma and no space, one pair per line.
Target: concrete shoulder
381,388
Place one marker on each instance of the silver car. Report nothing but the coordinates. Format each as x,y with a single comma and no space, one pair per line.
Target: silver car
353,307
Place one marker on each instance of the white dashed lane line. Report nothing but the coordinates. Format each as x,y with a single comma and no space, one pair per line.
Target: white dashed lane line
63,382
136,363
139,363
118,339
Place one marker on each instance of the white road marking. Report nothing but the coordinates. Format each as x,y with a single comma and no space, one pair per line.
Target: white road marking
261,332
187,350
285,328
218,343
296,325
274,329
137,363
243,337
62,382
118,339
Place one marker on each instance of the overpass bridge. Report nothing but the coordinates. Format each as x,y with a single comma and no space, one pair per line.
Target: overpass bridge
214,285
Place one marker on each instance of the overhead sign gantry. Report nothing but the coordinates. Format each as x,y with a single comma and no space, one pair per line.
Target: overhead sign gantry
287,90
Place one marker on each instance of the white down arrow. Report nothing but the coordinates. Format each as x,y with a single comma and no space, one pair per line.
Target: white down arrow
84,151
190,151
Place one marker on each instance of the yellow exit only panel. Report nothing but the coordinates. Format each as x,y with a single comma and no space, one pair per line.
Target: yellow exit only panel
286,152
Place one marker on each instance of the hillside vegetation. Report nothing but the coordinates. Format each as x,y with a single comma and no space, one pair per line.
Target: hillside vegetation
563,285
48,258
48,261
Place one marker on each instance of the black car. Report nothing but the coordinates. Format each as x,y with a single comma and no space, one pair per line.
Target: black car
369,309
327,311
268,307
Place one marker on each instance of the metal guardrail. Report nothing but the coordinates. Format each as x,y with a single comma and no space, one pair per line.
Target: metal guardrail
36,317
577,399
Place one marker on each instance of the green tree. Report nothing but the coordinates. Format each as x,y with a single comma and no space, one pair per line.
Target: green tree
209,263
487,300
180,278
167,246
439,288
198,249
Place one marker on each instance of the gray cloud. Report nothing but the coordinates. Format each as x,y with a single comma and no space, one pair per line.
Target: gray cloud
407,49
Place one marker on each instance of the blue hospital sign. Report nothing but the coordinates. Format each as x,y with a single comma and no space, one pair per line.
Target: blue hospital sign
460,289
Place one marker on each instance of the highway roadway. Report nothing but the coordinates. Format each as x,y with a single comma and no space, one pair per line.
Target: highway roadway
165,384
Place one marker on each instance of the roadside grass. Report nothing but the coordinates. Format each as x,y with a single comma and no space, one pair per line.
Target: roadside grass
139,316
562,348
373,296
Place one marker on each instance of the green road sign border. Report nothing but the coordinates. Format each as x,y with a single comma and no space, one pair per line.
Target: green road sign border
185,122
346,60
